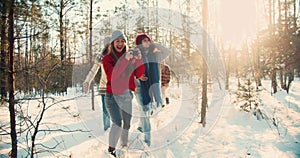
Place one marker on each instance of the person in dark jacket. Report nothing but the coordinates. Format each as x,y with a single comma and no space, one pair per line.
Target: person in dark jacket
150,89
149,96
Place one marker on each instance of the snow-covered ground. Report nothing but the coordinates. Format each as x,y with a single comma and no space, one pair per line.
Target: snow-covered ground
176,131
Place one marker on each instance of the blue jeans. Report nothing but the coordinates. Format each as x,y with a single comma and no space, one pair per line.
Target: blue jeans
119,108
145,118
106,118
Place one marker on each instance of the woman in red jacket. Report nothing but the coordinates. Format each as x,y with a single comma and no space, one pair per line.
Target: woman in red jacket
120,66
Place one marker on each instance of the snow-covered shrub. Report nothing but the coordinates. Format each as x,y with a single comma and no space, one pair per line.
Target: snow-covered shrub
247,98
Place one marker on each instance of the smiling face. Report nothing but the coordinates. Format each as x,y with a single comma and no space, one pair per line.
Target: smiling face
119,44
146,43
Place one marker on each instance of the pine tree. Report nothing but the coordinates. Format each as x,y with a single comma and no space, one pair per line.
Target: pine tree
247,96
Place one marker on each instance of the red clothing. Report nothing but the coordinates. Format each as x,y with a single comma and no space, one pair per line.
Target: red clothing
117,82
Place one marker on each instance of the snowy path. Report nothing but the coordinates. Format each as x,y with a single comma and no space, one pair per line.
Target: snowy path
229,132
169,127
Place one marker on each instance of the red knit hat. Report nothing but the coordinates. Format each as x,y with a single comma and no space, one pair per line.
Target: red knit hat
140,37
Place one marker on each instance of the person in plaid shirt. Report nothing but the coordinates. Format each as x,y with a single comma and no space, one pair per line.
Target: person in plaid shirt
165,80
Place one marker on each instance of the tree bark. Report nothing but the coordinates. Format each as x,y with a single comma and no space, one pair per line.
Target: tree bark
91,56
11,81
62,47
273,80
26,64
3,67
281,78
204,82
273,56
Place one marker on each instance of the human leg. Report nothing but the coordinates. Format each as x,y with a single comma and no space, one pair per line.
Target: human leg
146,127
106,118
163,93
155,92
138,97
125,104
115,115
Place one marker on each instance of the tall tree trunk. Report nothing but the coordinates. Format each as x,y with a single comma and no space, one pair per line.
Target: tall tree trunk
237,74
281,78
285,78
279,16
258,68
19,59
286,16
3,66
62,47
258,71
290,77
187,28
273,80
257,64
273,56
91,49
171,57
295,15
26,64
11,81
204,82
291,72
281,71
66,63
227,58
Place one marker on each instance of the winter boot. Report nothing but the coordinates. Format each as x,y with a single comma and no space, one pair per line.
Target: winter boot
140,129
118,153
148,143
112,152
167,100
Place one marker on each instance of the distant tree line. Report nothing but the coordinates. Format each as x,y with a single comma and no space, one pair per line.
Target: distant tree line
274,53
41,40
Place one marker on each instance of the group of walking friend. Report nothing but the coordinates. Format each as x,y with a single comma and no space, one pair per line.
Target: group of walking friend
126,73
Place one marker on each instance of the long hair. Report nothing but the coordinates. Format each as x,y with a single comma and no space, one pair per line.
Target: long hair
104,51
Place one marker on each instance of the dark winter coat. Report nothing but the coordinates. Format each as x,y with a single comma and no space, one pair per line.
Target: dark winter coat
150,89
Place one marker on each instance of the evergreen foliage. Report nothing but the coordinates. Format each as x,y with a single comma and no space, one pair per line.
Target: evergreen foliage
247,97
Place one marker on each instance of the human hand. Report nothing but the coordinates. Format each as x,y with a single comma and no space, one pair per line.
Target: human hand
143,78
138,55
129,55
155,50
85,87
